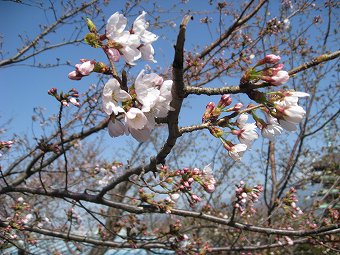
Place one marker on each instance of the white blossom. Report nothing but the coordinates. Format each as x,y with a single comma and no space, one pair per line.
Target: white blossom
139,27
147,89
247,133
127,42
236,151
135,119
112,95
289,112
272,127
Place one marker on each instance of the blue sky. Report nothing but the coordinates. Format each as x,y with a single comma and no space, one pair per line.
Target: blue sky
23,87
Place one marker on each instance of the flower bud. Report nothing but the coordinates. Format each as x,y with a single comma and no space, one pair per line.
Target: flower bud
215,131
91,26
52,91
272,59
279,78
269,59
208,110
224,101
74,75
210,188
92,40
100,67
85,68
237,107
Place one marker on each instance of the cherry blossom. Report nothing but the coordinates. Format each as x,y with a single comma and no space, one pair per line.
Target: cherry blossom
154,94
82,70
146,87
139,28
235,151
246,134
271,128
289,114
112,95
279,78
135,118
124,42
132,45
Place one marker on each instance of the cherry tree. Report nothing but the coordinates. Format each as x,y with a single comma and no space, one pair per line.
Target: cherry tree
264,86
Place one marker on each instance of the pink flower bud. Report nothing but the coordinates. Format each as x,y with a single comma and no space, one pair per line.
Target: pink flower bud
52,91
209,188
224,101
208,110
196,198
237,107
74,75
85,68
278,79
272,59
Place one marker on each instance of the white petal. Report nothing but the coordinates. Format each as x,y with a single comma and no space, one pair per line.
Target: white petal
288,125
147,52
207,169
299,94
271,131
110,107
140,24
241,120
141,135
130,54
116,128
110,86
115,25
135,118
294,114
147,37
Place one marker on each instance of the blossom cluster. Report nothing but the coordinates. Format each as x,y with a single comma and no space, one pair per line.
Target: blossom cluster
280,111
66,98
5,145
246,197
134,112
133,44
289,202
185,183
272,71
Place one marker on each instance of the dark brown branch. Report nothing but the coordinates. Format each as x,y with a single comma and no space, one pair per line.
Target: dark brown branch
172,119
333,229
